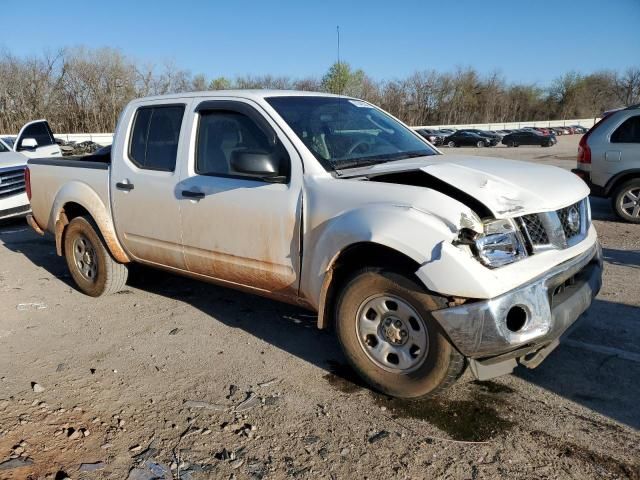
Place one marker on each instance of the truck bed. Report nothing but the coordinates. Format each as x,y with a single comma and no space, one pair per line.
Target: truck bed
53,179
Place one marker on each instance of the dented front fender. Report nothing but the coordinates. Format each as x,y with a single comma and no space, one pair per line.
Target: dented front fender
420,235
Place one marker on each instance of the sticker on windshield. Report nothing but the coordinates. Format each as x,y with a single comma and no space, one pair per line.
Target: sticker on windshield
360,103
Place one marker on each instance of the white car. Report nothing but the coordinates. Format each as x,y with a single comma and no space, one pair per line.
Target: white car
34,140
423,263
13,197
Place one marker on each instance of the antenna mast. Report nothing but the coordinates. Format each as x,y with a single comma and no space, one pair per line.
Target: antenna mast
338,35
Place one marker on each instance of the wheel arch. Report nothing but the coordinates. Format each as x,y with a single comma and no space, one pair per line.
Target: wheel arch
351,259
619,179
78,199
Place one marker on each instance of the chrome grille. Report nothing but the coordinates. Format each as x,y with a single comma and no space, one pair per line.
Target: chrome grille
560,229
535,229
571,219
11,182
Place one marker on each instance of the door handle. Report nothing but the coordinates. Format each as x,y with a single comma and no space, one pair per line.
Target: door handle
124,186
192,195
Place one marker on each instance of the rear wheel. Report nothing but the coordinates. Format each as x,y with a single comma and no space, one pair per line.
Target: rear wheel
386,330
510,143
626,201
91,265
480,144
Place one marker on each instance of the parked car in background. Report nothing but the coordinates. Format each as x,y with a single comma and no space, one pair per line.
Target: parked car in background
417,265
467,139
434,136
502,133
447,131
542,130
13,197
9,141
557,131
34,140
529,137
579,129
609,161
493,137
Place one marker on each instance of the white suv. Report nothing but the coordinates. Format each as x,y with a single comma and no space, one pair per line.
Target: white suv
609,161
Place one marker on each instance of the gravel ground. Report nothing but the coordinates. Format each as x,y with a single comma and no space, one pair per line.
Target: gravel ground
177,379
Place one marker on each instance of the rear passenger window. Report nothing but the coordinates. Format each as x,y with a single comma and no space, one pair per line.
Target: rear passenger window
628,132
155,135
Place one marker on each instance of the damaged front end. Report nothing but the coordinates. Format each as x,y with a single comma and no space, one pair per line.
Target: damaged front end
521,269
525,324
531,284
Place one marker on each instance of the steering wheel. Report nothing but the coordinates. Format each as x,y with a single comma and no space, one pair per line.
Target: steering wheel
358,144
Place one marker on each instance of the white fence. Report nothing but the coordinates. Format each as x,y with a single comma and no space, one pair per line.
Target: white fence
584,122
99,138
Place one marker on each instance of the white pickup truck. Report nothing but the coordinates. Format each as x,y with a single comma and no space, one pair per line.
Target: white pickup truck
423,263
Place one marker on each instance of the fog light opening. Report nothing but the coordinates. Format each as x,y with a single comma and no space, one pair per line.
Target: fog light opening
516,318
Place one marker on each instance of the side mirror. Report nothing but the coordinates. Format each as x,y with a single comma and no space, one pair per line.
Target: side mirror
257,163
29,144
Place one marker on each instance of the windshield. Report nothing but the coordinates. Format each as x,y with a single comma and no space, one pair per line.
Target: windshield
345,133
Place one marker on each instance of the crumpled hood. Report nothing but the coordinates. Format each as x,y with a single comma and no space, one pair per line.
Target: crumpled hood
509,187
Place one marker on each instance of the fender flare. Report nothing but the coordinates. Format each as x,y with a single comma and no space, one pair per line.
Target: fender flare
82,194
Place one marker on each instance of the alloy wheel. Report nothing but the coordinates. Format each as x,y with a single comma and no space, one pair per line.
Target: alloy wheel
630,202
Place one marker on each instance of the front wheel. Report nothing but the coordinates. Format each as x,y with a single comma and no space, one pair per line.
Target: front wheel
481,144
451,144
386,330
626,201
91,265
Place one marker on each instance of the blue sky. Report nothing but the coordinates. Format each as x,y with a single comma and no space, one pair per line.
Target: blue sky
527,41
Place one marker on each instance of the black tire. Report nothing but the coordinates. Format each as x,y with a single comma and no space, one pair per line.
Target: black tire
451,144
99,274
510,143
481,144
442,364
618,200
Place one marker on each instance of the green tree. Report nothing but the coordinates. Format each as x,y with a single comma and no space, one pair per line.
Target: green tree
341,80
220,83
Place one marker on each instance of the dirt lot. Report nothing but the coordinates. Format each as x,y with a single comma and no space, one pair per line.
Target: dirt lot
178,379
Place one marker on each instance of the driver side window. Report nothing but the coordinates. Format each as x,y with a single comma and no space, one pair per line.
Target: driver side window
221,134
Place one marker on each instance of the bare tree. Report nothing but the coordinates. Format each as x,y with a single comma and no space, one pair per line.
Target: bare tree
83,90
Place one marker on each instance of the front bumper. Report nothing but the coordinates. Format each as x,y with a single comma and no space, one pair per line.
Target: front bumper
524,324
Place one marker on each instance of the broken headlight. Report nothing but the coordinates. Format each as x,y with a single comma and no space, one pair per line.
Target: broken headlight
499,244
